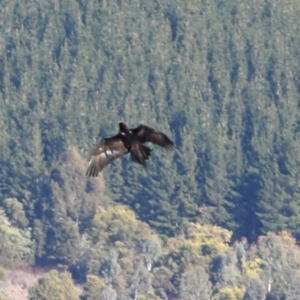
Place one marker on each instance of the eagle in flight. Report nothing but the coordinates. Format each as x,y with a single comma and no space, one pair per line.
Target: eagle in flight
126,141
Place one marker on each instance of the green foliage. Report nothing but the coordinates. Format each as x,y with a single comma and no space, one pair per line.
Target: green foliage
195,284
207,239
15,212
54,285
149,296
199,246
108,293
223,86
62,218
230,294
117,225
253,268
150,249
256,290
221,78
93,287
16,243
141,281
110,268
281,257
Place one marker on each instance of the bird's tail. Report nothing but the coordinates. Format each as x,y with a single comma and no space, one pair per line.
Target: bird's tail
140,155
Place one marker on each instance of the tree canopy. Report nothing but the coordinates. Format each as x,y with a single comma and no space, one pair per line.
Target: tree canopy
221,78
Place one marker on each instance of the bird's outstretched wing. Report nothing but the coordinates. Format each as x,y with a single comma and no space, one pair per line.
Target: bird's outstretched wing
147,134
105,152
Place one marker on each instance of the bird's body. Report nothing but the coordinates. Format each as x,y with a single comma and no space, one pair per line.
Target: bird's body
126,141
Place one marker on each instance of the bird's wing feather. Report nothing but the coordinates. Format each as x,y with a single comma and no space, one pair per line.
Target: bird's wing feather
148,134
140,153
105,152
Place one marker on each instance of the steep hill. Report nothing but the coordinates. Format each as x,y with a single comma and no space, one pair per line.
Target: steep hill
220,77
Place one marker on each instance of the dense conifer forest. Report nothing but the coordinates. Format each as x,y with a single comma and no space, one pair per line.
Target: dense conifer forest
218,218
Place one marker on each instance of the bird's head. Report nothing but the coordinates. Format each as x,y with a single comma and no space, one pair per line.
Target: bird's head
122,127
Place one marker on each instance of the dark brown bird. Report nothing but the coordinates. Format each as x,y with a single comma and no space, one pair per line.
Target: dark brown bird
127,140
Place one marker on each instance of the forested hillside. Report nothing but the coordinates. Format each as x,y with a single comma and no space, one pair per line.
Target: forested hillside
221,78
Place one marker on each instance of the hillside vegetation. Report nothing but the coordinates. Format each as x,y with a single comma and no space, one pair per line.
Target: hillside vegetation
220,216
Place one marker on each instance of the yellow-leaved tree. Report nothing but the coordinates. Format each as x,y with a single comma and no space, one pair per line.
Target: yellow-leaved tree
54,286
